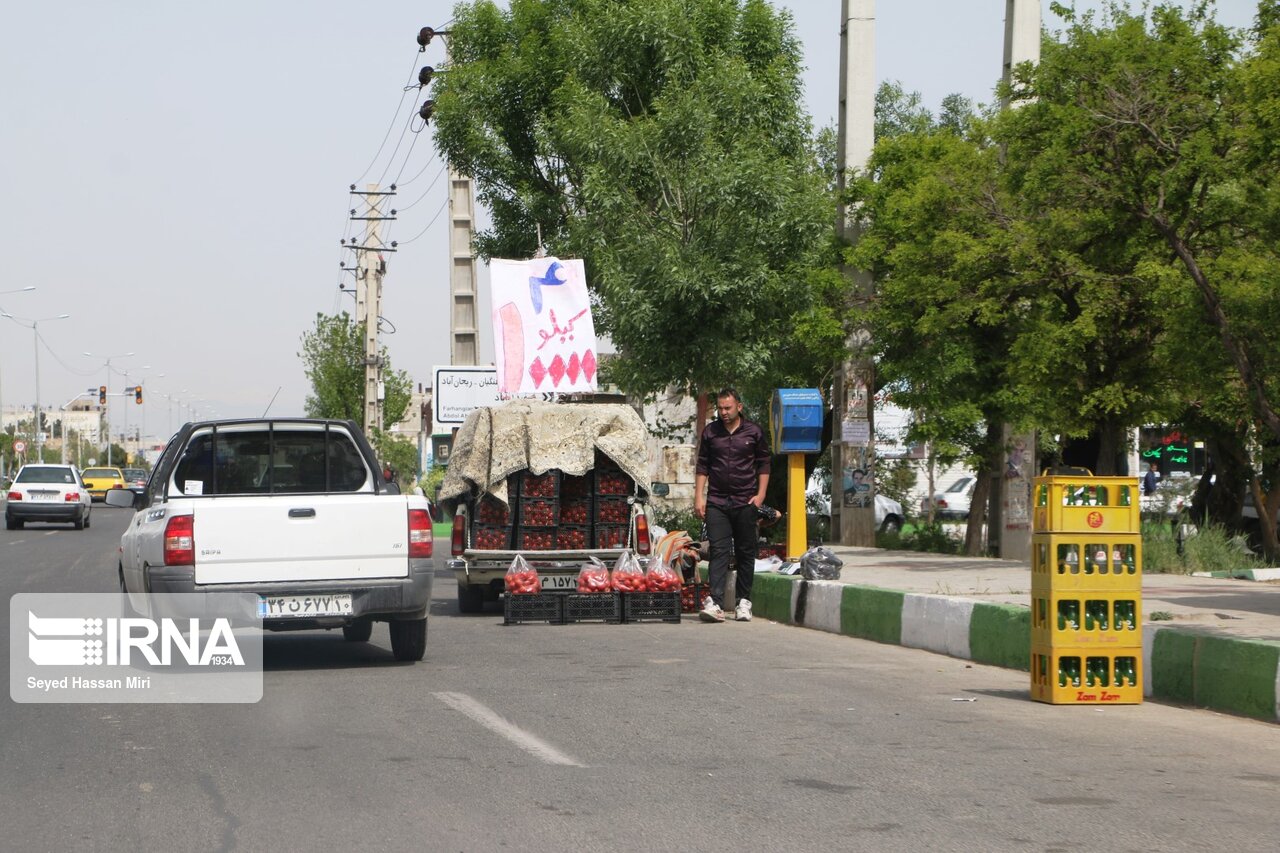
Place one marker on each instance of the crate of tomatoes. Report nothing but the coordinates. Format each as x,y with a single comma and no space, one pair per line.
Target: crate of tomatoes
575,511
540,485
490,510
491,537
611,536
524,600
536,539
613,482
573,538
612,510
539,512
692,596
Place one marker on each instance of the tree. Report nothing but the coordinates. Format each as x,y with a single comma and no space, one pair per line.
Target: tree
1164,124
333,360
663,142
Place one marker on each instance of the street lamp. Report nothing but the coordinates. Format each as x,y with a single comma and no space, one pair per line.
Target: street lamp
26,289
34,325
128,389
106,406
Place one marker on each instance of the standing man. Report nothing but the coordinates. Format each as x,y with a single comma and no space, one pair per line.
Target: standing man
733,473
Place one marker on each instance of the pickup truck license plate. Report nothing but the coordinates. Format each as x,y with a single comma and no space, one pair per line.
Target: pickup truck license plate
286,606
569,582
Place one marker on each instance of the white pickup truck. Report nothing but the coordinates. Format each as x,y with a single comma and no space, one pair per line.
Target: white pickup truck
293,510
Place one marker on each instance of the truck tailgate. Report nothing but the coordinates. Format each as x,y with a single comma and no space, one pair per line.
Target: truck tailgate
283,538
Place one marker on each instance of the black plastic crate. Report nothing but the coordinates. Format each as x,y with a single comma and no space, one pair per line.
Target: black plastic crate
612,510
540,485
491,511
611,481
539,512
611,536
593,607
573,537
692,594
536,539
651,606
576,510
541,607
491,537
573,486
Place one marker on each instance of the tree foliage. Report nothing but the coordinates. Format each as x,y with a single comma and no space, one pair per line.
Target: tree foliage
663,142
1101,256
333,360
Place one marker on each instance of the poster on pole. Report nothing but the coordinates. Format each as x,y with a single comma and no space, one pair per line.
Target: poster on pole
544,337
458,391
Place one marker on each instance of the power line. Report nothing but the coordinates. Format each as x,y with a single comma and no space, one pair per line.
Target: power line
392,124
427,190
429,224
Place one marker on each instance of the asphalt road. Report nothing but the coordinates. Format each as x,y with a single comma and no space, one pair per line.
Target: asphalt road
631,737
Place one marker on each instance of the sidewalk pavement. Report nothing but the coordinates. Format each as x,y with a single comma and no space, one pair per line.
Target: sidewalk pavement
1219,647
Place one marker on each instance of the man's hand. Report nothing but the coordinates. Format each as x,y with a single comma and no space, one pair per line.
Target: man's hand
757,501
700,507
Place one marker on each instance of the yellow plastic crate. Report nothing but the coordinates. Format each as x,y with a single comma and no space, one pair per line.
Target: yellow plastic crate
1071,504
1086,676
1080,618
1103,562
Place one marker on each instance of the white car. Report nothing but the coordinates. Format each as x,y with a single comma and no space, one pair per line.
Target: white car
954,502
47,493
889,515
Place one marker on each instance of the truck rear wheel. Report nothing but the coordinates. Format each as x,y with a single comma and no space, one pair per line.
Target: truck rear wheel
470,598
409,639
358,632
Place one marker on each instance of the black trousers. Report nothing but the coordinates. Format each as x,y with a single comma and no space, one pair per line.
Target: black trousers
733,532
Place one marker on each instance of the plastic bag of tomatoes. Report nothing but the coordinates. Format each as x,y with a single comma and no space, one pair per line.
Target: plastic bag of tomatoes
663,577
594,577
627,574
522,579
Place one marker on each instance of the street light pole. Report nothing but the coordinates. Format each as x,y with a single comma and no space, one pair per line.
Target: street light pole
26,289
34,325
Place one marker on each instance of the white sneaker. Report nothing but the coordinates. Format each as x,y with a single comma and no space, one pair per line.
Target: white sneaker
743,613
711,612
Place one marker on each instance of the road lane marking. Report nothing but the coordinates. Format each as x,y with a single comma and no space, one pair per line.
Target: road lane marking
17,542
490,720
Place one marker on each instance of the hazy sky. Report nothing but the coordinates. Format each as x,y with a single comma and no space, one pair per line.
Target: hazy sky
176,174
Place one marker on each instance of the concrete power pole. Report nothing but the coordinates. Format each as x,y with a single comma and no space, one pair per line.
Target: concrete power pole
853,445
370,268
464,339
1009,522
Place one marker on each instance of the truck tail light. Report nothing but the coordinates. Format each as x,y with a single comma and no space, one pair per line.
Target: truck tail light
458,541
71,497
180,541
642,533
15,496
420,541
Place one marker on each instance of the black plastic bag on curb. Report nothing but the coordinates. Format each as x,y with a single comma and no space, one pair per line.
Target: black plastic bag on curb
820,564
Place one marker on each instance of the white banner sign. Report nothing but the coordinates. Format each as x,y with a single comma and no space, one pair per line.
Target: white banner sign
457,391
544,338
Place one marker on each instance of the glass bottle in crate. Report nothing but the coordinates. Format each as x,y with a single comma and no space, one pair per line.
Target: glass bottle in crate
1068,560
1069,615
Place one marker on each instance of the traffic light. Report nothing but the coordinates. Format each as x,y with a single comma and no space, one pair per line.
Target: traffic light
102,395
137,394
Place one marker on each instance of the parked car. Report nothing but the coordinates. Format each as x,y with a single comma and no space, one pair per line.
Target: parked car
47,493
889,514
99,481
954,502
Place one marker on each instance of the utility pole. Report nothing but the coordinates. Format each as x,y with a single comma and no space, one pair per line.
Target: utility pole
464,338
1009,515
370,268
853,445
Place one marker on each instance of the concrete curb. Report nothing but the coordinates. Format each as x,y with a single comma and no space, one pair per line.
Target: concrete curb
1242,574
1234,675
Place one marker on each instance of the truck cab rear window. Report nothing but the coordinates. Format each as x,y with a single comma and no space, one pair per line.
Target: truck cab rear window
280,461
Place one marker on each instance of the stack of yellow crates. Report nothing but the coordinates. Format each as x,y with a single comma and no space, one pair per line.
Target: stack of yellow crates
1086,591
